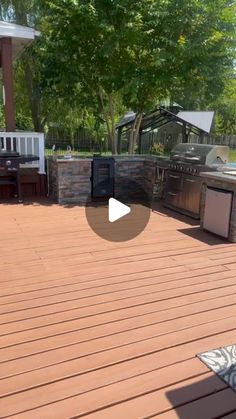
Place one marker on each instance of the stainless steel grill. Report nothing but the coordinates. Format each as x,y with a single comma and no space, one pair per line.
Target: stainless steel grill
184,185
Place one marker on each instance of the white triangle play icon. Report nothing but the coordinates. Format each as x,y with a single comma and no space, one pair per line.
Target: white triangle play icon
117,210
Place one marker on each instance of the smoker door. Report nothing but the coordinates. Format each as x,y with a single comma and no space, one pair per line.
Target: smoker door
103,178
192,186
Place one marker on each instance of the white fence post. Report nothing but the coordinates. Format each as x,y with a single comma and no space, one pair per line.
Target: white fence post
41,154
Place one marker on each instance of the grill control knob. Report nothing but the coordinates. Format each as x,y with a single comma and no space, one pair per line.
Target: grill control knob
8,163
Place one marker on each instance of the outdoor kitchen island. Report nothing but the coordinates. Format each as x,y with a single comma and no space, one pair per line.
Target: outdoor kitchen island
72,180
218,206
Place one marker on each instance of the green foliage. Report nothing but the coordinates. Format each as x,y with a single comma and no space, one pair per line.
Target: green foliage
144,50
225,121
206,54
232,156
158,149
22,105
2,121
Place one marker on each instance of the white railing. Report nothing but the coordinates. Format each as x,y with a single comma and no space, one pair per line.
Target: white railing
26,143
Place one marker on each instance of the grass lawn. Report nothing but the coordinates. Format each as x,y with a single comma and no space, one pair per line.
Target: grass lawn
232,156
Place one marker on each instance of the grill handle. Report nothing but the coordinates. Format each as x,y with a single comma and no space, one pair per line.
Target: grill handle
174,176
190,180
172,193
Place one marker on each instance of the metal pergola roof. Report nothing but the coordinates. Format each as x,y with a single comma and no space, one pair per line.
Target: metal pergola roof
198,122
21,36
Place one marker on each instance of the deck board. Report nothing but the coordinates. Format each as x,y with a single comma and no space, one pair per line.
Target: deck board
98,329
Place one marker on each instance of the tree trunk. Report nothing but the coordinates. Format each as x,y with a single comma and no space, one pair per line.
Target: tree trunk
33,97
134,133
20,12
110,119
113,128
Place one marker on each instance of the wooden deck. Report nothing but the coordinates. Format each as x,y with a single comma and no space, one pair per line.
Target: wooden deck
104,330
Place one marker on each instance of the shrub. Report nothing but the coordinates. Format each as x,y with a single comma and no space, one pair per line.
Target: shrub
158,149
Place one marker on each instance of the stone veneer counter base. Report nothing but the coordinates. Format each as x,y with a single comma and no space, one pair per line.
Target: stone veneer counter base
70,179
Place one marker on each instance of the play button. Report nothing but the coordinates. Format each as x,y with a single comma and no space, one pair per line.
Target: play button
117,210
122,217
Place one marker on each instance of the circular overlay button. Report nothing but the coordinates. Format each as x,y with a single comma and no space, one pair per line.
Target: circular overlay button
122,217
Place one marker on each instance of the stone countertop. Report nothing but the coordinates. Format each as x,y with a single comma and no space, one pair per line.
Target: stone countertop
219,176
161,159
72,159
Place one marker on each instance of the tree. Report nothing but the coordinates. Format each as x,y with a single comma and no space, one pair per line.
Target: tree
225,106
191,47
87,38
101,56
209,51
141,51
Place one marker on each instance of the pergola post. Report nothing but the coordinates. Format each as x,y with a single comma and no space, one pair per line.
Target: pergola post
7,73
140,141
119,137
201,137
184,133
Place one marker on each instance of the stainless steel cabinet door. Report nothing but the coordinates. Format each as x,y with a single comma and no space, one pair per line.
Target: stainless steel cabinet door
174,181
192,193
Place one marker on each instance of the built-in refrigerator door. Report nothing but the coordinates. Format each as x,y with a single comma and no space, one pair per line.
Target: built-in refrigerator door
217,211
192,186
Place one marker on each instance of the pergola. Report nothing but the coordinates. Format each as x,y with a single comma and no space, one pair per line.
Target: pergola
13,40
198,122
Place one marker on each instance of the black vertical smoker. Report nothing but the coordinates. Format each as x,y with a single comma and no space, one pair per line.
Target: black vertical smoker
103,170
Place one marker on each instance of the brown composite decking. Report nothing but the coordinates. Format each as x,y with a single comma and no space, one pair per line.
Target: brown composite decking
104,330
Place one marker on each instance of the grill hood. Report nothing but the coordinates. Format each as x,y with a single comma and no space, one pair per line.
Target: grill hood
204,154
7,154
